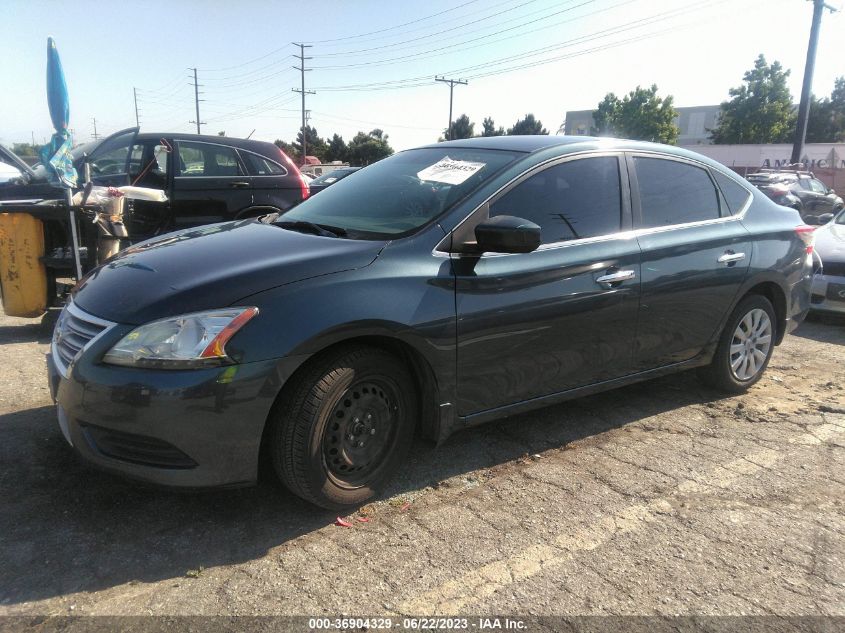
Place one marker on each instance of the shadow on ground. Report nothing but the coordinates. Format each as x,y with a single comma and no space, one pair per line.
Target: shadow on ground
823,327
67,527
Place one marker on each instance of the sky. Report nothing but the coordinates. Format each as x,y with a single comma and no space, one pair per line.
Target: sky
374,62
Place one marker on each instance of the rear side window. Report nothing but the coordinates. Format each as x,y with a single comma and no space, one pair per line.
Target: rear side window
735,194
205,159
260,166
672,192
573,200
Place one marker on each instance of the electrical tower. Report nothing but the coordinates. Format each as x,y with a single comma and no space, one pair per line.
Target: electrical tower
197,100
302,69
135,95
809,67
95,135
452,83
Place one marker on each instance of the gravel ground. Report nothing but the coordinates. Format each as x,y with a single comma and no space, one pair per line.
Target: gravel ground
657,499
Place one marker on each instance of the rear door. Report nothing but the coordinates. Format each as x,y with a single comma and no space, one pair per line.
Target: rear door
273,184
210,184
695,256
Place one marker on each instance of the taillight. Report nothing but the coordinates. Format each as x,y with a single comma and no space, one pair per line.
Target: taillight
303,187
807,235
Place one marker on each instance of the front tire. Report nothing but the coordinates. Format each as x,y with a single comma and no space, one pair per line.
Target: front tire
745,347
344,426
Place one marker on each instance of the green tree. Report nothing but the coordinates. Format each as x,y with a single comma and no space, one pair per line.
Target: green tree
365,149
336,149
527,125
315,146
289,150
490,128
25,149
826,122
461,127
221,133
639,115
760,110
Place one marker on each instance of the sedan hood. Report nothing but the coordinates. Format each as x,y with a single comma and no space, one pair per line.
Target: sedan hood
211,267
830,242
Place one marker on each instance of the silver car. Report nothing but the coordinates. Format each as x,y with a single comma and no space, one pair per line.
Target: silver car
828,292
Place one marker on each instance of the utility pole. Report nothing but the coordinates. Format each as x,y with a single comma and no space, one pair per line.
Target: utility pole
33,137
452,83
806,88
197,100
302,69
96,136
135,95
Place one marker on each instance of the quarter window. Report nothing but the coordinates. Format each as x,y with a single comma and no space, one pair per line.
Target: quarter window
573,200
260,166
672,192
203,159
735,194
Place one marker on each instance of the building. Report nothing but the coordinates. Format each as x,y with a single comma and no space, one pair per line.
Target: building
694,123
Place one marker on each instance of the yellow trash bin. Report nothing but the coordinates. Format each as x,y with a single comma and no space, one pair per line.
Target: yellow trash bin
23,277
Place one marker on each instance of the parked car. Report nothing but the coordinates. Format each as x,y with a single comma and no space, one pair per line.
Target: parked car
321,182
207,178
800,190
439,288
828,294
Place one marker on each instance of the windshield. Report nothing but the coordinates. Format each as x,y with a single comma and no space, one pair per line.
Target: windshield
333,176
398,195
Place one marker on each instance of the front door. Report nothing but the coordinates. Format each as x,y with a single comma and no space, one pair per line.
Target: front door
210,184
563,316
150,165
695,256
108,163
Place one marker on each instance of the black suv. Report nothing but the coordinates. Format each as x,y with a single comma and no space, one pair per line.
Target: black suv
800,190
207,178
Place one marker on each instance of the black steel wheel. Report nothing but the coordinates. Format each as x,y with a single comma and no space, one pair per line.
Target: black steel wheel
344,425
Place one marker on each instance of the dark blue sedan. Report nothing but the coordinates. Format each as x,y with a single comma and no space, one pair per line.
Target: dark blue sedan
439,288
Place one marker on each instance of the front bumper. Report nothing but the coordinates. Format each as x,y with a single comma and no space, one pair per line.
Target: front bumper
828,294
190,429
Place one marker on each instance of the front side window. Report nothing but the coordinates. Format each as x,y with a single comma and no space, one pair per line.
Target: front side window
573,200
672,192
400,194
110,158
206,160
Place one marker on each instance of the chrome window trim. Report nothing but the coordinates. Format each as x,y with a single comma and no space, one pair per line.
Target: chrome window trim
80,314
634,233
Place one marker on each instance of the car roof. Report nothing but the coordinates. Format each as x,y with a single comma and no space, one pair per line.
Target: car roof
232,141
572,144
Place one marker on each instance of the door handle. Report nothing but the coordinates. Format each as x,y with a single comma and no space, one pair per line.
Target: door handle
616,277
239,183
729,257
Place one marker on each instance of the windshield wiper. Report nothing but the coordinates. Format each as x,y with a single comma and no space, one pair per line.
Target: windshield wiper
310,227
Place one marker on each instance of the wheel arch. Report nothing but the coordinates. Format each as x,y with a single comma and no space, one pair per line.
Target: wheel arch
430,425
775,293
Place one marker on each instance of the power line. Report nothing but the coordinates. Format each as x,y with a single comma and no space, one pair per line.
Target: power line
452,83
395,26
302,70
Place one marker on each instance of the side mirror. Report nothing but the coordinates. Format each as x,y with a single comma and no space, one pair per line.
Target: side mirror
824,218
507,234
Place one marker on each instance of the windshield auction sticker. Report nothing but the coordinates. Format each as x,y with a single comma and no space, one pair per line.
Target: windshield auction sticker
450,171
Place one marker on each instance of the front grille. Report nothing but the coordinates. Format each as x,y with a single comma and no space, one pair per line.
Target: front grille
835,269
137,449
74,330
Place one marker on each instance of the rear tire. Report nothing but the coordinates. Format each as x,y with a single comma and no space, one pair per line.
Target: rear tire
745,346
344,426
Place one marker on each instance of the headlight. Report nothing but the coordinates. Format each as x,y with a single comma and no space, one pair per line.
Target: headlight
181,342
